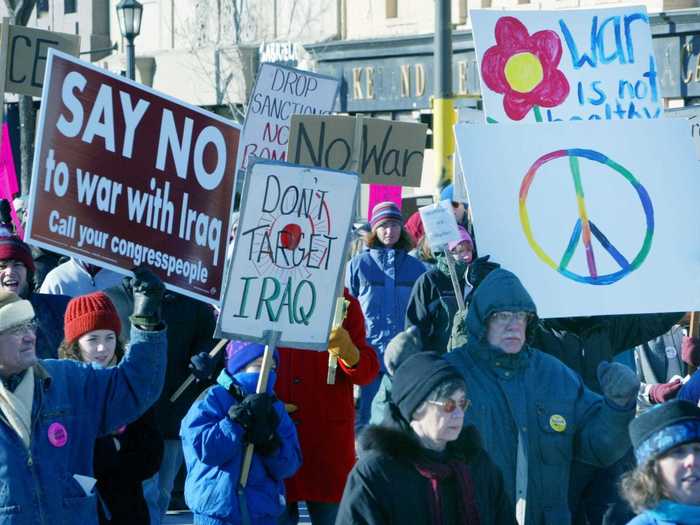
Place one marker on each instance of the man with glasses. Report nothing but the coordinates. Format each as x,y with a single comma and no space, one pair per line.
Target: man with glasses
535,415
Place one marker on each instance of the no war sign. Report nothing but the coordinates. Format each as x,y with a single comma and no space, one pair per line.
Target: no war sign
125,175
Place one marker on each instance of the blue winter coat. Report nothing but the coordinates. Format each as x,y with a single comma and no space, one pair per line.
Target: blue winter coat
214,448
37,485
382,280
648,519
533,394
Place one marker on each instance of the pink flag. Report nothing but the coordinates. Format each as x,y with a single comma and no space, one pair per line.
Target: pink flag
8,176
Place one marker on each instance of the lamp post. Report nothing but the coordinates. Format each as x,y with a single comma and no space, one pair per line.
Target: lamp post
129,15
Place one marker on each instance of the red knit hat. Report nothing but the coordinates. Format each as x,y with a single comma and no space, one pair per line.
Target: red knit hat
86,313
12,247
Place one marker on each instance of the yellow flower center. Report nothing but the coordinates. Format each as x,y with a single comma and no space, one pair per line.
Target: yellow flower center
524,72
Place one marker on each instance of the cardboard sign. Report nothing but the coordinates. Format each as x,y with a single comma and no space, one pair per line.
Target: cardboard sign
589,222
279,93
25,59
692,114
124,175
572,64
290,248
382,151
440,224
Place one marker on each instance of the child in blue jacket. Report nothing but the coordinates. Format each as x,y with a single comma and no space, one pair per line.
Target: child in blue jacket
215,433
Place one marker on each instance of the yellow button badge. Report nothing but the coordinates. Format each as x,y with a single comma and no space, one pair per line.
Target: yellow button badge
557,422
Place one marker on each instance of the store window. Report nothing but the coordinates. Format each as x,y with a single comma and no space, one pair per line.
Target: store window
42,6
70,6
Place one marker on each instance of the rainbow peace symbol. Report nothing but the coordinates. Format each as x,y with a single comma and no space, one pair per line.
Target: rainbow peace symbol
584,227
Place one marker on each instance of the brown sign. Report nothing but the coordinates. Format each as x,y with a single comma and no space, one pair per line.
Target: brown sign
124,175
25,53
381,151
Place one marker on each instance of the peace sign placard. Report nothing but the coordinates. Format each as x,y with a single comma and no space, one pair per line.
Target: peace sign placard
595,218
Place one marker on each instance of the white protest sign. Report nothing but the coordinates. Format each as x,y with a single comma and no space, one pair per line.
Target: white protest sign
279,93
595,218
439,223
574,64
290,246
692,114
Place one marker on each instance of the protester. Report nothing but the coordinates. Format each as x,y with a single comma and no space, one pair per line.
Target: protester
190,325
690,391
665,485
131,453
75,277
215,434
421,465
55,409
17,276
324,415
381,279
433,303
535,414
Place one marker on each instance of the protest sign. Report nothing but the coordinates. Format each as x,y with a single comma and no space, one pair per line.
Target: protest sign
125,175
439,224
380,193
280,92
381,151
578,64
591,224
289,250
692,114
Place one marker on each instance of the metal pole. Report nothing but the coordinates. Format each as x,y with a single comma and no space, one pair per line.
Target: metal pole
443,104
130,59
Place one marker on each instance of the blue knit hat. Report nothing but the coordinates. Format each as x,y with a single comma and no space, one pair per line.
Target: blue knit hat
447,193
664,427
240,353
383,212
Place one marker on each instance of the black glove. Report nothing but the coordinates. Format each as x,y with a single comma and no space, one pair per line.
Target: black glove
479,269
201,366
256,414
148,294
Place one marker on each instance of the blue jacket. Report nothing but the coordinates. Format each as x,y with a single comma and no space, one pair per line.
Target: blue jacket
49,310
37,485
382,280
214,447
691,390
648,519
533,395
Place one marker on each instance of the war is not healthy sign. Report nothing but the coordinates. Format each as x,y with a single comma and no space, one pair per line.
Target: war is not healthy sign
124,175
381,151
290,247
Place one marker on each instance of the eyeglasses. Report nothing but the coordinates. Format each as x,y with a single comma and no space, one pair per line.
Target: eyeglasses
449,405
21,329
463,248
505,318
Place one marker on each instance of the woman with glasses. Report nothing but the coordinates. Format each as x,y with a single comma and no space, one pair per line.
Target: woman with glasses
421,465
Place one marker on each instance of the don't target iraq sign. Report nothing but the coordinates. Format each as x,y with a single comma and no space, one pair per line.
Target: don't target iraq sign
126,176
289,249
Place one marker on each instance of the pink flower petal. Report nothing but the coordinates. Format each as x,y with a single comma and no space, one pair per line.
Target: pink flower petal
493,70
547,47
552,91
516,105
511,33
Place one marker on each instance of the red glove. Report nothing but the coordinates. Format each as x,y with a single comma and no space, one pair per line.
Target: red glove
690,351
664,391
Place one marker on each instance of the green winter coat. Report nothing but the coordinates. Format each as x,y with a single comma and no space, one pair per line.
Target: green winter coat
533,394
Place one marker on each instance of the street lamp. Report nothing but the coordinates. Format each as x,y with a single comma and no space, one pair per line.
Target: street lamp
129,15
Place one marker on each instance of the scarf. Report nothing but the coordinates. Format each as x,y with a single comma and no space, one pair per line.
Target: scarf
17,406
436,472
460,267
677,513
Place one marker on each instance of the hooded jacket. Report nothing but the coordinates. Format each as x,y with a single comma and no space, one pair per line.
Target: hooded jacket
533,399
385,487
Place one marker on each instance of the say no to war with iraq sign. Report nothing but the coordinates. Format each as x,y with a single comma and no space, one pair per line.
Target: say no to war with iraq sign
124,175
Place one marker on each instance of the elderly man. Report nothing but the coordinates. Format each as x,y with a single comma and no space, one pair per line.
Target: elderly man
535,415
52,411
17,275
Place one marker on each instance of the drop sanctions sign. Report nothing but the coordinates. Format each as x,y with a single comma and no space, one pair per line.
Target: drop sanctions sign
124,175
290,246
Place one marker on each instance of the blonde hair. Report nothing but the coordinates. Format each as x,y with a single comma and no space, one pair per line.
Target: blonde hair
642,487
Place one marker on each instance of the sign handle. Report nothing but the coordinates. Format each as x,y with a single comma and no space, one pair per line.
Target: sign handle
271,337
455,280
355,163
4,44
187,382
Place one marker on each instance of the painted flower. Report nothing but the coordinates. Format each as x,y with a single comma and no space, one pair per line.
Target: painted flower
524,68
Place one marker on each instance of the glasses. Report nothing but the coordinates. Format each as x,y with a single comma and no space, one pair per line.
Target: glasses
21,329
505,318
449,405
463,248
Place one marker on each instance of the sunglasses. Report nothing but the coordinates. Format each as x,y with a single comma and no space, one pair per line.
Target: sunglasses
449,405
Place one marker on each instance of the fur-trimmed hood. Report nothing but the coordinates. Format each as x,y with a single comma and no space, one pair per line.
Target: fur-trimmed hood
403,445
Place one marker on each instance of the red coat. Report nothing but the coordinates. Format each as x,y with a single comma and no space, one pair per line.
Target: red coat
325,420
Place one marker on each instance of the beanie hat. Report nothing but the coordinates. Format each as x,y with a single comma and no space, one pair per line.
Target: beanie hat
240,353
664,427
12,247
86,313
383,212
463,236
14,310
417,377
402,346
447,193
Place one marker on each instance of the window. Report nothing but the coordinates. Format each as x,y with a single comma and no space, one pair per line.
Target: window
392,8
42,6
70,6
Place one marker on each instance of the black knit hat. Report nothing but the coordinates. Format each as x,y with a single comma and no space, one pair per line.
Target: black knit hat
417,377
664,427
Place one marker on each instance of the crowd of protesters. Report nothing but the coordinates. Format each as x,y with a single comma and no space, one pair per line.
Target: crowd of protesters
452,402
